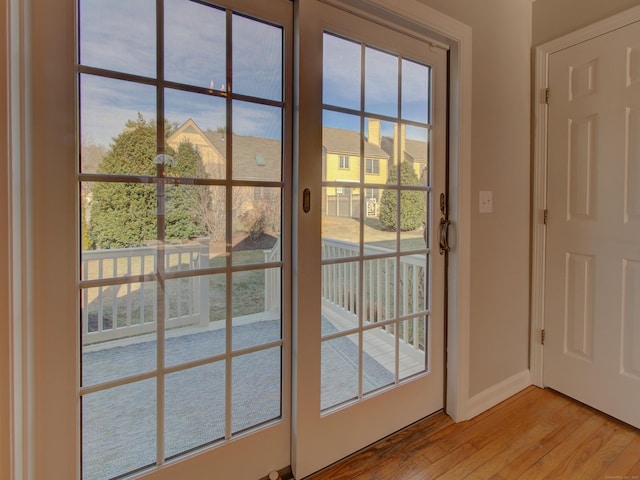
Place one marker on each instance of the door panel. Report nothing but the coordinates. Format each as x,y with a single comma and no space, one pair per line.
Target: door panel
370,316
184,180
593,236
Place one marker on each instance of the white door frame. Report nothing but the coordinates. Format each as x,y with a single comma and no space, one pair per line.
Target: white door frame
543,52
457,36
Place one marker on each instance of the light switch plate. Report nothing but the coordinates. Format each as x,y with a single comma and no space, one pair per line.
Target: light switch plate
486,202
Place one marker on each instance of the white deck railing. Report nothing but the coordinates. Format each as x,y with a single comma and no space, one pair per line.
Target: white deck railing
272,278
340,286
115,311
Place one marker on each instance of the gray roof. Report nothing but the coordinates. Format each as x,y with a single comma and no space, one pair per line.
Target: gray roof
416,150
338,140
258,158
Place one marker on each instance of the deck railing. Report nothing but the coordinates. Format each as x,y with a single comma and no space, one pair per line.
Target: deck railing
272,278
381,288
117,309
114,309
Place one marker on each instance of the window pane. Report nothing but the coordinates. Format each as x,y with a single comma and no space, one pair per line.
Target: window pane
340,142
189,221
341,72
115,115
257,225
340,226
340,289
257,59
118,430
195,44
118,331
257,142
195,324
100,264
380,235
413,342
415,91
194,416
121,216
339,371
119,35
381,83
378,359
196,140
413,219
341,208
256,298
415,152
256,389
379,285
413,278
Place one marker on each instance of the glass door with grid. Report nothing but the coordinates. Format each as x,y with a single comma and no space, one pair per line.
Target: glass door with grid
373,156
184,154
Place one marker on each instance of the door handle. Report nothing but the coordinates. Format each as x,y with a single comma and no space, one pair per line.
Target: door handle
444,236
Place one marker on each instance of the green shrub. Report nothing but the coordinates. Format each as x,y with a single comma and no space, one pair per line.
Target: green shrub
412,202
124,214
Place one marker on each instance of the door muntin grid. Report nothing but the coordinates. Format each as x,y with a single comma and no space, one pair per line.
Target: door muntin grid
376,272
181,200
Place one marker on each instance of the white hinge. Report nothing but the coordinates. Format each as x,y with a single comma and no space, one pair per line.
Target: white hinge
546,96
546,216
542,336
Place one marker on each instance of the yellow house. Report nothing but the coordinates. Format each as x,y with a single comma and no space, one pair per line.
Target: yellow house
342,167
212,158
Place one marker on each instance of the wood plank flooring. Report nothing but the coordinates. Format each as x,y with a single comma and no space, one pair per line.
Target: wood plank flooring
536,434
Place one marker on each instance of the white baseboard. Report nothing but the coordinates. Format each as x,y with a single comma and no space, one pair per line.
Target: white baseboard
498,393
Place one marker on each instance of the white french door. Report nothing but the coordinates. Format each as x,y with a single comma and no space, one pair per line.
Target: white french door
213,290
592,311
370,289
171,285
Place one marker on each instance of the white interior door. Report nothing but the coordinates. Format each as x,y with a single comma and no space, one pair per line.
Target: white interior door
592,293
370,288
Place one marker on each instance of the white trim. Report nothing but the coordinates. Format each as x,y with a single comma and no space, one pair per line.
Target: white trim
6,386
17,407
542,54
459,37
498,393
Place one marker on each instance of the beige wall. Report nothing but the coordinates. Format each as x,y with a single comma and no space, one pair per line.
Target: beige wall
554,18
500,150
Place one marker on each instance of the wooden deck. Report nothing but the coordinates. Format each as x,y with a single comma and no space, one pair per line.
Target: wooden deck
534,435
380,345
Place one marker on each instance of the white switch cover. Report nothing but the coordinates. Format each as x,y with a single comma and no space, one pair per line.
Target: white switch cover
486,202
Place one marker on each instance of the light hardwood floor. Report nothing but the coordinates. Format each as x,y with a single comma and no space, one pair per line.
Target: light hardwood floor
536,434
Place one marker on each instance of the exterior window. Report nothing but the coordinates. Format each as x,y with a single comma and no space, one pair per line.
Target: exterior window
344,162
372,193
372,166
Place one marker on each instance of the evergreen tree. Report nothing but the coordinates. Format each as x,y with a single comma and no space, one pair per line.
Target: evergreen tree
124,214
412,202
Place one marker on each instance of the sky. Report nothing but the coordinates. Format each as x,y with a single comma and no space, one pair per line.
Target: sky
120,35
